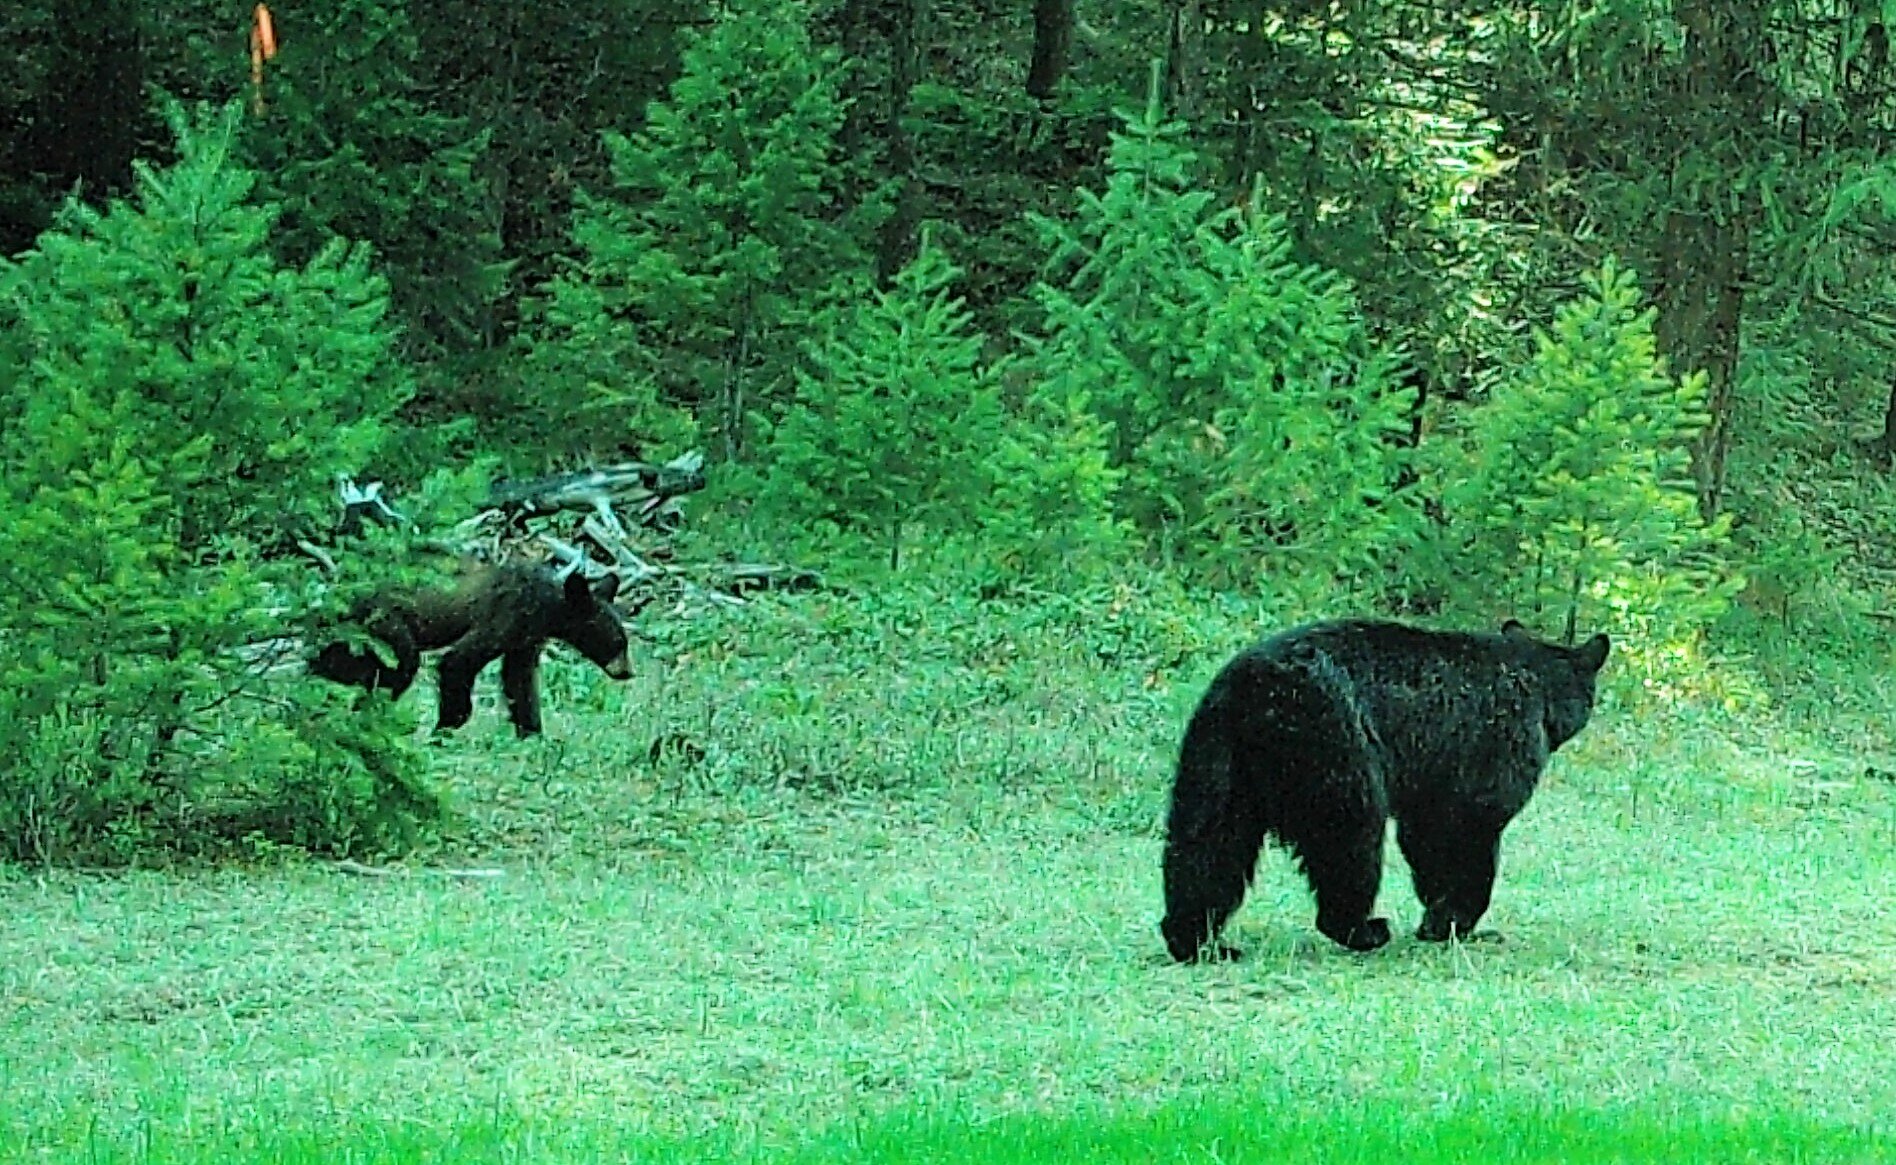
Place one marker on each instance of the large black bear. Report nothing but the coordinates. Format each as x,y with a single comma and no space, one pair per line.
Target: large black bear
1320,734
505,612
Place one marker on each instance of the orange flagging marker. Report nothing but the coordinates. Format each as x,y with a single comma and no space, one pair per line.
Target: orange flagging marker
263,46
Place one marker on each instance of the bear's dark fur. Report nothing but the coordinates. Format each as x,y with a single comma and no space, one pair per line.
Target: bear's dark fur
1320,734
505,612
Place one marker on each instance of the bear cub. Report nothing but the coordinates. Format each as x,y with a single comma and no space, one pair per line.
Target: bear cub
506,612
1320,734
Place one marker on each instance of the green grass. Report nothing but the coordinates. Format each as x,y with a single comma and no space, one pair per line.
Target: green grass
1180,1132
916,873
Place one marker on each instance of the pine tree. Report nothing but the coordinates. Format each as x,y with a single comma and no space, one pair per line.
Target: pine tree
895,415
245,386
1579,500
725,235
172,401
1049,512
350,145
1249,415
1125,286
1311,430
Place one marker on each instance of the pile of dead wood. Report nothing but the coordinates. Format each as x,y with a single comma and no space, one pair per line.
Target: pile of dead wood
611,520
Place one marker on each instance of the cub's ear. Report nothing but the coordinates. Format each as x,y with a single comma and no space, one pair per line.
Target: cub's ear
1591,655
636,603
607,588
578,589
1514,630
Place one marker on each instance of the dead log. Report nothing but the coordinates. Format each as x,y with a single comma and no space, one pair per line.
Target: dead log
642,487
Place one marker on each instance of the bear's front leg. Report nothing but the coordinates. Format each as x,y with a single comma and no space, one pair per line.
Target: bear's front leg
1345,870
520,680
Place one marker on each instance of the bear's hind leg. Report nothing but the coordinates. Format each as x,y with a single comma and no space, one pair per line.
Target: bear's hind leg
401,640
520,680
1333,816
1213,834
457,672
1205,882
362,666
1344,866
1454,860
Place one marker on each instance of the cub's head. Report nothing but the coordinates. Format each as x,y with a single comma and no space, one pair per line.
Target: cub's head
1566,675
593,626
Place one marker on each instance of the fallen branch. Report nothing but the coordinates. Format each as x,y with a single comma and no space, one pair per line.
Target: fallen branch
270,656
644,486
346,866
319,554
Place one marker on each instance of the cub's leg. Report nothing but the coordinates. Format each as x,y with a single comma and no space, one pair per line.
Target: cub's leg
458,670
401,640
520,680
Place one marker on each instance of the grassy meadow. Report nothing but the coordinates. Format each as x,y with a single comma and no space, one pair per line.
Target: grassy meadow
896,898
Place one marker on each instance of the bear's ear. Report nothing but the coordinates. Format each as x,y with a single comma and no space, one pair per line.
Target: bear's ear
1591,655
578,589
1514,630
608,587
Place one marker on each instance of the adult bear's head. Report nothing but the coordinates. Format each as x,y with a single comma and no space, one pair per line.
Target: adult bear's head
1567,676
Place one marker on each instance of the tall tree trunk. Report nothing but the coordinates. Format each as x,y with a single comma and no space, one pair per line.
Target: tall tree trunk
1053,42
855,37
1701,300
898,235
93,108
1886,445
1705,245
1183,50
736,369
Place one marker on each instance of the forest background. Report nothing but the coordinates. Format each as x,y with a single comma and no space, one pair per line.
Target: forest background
1072,343
1445,311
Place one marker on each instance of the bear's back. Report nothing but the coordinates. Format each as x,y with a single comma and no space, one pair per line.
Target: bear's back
1431,701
